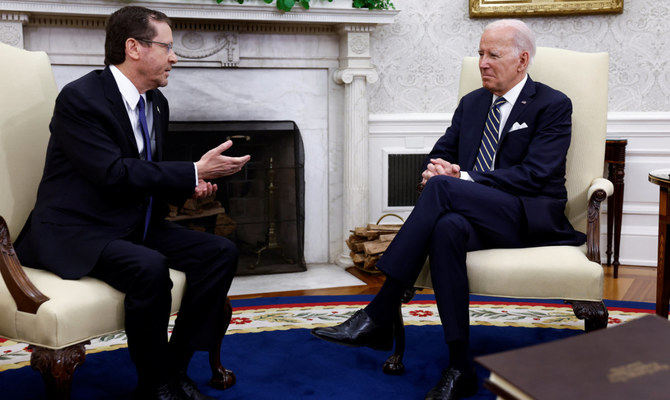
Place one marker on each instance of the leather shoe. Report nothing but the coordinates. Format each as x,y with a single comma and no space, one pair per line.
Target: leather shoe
454,384
188,389
162,392
359,330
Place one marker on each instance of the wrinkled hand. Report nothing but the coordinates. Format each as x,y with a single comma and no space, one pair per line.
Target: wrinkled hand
204,189
438,166
214,165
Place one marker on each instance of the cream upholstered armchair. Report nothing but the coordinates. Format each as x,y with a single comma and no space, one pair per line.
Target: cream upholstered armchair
57,317
571,273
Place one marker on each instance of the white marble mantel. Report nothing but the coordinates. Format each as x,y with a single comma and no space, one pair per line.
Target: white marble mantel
247,62
320,12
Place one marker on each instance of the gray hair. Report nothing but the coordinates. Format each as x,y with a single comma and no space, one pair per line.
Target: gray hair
524,38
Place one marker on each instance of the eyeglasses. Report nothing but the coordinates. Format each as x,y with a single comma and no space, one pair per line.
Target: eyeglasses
168,46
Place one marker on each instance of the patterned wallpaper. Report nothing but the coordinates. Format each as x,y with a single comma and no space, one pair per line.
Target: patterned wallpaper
418,57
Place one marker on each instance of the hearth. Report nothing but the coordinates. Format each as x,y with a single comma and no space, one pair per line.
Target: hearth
261,208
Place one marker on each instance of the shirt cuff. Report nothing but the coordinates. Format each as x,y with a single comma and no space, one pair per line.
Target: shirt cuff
195,168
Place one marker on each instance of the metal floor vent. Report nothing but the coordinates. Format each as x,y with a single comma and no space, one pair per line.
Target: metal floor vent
404,172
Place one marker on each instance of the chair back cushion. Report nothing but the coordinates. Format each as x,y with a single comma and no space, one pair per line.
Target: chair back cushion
27,101
583,78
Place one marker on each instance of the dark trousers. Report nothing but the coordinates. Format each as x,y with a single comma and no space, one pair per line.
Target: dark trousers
141,271
451,217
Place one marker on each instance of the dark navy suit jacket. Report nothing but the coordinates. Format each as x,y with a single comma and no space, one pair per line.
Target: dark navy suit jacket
95,188
530,162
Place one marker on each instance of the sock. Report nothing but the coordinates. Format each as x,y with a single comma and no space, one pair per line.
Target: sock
383,308
459,356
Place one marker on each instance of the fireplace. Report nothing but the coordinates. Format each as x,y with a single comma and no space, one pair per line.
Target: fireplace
261,208
248,62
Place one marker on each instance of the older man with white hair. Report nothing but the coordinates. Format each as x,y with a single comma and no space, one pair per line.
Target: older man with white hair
495,179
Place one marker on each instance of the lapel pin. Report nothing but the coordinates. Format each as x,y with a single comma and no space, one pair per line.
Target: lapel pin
523,101
158,109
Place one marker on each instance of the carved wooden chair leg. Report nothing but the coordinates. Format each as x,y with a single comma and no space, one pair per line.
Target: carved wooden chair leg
394,365
594,314
57,367
222,378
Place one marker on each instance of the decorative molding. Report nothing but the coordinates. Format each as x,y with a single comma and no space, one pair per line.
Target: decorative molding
192,45
346,76
67,21
13,17
11,34
11,28
204,10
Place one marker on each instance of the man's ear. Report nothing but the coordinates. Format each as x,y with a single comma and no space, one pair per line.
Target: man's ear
524,60
133,48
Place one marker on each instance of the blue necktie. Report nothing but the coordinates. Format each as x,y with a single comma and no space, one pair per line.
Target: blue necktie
489,144
147,152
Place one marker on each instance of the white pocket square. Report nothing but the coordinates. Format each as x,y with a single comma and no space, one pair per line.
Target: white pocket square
517,126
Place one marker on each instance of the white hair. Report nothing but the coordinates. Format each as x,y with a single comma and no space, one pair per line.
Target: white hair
524,38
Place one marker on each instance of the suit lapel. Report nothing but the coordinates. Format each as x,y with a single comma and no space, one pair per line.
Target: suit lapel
521,105
118,107
476,131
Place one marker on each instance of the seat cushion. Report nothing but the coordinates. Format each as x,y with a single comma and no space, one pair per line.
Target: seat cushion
548,272
77,310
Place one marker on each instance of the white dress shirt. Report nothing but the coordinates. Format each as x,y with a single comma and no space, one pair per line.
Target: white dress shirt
505,109
131,98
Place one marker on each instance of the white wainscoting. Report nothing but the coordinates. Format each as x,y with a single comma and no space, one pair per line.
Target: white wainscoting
648,135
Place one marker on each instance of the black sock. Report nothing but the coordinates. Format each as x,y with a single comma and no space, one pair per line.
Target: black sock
459,357
383,308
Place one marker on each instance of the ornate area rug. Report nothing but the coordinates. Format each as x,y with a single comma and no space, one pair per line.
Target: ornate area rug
269,347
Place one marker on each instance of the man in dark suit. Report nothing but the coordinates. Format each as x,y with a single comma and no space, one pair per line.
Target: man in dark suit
495,179
103,197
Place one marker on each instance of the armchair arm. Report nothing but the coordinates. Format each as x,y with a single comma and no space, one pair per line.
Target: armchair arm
599,190
27,297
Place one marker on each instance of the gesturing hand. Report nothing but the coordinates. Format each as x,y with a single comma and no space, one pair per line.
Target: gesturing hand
214,165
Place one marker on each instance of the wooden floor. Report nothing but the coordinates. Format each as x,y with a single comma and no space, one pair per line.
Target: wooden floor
633,284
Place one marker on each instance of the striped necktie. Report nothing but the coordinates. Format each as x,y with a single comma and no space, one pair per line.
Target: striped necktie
147,155
489,144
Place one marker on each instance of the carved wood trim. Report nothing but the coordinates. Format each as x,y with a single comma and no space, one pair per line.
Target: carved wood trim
594,313
222,378
57,367
27,297
593,226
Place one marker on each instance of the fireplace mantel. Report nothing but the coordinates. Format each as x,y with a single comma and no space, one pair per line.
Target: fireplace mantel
320,12
247,62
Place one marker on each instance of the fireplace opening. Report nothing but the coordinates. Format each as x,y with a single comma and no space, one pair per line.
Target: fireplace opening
261,208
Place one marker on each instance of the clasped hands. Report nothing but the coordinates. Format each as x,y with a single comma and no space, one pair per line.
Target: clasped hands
438,166
214,165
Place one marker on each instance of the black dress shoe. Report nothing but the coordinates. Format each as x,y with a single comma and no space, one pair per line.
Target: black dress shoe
359,330
162,392
188,389
454,384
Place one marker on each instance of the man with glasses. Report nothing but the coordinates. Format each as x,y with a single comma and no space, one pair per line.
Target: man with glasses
103,197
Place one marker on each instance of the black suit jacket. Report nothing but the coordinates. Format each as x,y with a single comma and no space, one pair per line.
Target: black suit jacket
95,187
530,161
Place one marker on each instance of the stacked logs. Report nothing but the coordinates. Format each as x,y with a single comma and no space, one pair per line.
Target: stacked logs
367,244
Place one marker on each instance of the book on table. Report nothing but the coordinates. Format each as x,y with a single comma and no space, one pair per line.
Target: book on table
629,361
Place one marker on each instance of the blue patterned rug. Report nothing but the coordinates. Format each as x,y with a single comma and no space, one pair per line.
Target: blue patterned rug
269,348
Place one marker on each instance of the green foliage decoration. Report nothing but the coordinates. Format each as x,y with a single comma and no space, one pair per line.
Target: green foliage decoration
287,5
